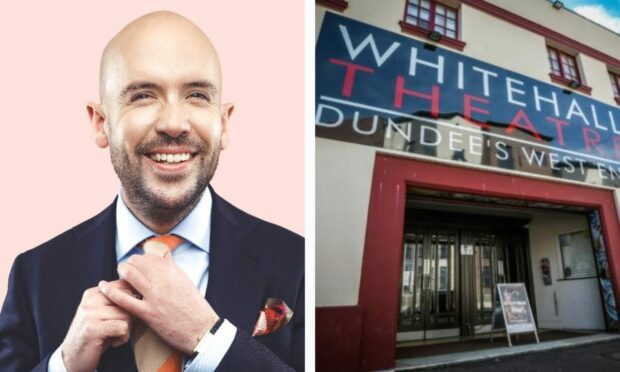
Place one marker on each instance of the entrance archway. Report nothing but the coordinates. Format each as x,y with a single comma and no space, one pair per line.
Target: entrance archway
379,286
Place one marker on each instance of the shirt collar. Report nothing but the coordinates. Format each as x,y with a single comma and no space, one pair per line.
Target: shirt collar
195,227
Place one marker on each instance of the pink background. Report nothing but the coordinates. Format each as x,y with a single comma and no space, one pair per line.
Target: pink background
53,175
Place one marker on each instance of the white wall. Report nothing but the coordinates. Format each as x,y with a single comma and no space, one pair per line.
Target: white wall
343,180
579,301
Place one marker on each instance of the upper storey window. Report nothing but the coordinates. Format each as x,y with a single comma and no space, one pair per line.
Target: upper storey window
615,85
433,20
563,64
339,5
432,16
565,70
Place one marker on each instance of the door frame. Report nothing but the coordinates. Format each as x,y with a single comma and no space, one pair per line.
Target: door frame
379,293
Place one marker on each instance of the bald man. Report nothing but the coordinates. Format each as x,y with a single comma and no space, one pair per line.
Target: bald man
76,302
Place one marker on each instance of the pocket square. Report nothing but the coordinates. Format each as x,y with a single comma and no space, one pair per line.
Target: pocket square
272,317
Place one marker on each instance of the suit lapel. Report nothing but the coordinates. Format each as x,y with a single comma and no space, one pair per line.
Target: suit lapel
236,284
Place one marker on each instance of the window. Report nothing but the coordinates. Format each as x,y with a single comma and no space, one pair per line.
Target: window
565,70
563,64
577,255
615,85
425,16
432,16
339,5
443,278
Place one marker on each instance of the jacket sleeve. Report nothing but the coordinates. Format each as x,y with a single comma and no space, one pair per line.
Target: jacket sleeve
247,354
19,350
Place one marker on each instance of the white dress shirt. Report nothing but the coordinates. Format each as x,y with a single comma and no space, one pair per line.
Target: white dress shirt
192,255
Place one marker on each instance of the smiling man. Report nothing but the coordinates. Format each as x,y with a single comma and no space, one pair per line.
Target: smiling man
170,276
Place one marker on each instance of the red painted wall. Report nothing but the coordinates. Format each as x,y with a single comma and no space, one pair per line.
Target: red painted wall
338,336
381,266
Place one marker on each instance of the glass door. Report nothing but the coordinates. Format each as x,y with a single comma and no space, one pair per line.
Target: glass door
411,293
484,265
429,284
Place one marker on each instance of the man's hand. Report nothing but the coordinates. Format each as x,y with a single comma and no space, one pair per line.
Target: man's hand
98,324
171,305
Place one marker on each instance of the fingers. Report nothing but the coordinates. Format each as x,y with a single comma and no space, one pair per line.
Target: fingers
122,298
131,273
97,324
93,298
119,330
121,284
118,341
168,256
113,312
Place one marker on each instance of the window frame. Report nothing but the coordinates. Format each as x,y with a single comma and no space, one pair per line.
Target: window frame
562,78
562,275
558,55
614,78
339,5
453,42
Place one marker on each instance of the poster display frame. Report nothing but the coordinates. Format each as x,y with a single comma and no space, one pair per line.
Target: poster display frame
524,326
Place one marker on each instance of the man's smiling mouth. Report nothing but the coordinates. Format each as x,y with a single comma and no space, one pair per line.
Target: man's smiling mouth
170,158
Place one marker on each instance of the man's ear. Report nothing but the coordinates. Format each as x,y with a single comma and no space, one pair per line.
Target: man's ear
97,120
227,110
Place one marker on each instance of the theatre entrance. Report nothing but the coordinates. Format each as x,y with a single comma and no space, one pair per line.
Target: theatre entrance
451,264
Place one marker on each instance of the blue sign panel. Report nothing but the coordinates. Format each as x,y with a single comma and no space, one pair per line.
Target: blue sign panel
387,90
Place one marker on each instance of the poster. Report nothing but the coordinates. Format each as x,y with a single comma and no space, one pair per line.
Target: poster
516,307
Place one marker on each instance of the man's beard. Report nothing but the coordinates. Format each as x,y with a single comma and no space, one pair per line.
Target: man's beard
149,202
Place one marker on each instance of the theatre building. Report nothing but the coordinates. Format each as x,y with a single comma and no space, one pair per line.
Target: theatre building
461,145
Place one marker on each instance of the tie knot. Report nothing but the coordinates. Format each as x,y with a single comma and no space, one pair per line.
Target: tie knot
159,245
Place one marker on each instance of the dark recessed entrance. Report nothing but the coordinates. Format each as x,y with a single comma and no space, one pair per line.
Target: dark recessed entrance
451,265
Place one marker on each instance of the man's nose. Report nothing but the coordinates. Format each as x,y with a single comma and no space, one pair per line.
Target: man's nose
173,121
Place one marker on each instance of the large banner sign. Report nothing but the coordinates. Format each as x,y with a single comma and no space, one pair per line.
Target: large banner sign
387,90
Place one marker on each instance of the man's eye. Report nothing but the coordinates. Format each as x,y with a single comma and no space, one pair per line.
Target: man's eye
199,96
140,96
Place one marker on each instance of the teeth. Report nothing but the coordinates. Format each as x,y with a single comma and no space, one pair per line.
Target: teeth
170,158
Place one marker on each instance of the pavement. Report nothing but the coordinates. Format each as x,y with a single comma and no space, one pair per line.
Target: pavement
592,353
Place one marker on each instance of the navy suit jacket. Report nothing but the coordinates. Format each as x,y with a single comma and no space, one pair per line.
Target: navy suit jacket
250,261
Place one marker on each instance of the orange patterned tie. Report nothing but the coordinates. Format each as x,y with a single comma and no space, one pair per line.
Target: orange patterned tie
152,353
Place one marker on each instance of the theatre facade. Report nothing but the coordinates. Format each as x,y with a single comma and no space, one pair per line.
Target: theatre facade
461,145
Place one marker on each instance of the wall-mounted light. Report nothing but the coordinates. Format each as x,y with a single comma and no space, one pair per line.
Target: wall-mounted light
574,84
558,4
434,35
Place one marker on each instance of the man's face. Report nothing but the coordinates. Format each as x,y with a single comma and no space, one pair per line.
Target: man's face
164,121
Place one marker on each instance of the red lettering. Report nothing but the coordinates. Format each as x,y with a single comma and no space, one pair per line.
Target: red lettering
526,125
468,108
591,138
616,140
558,127
349,76
401,91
